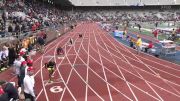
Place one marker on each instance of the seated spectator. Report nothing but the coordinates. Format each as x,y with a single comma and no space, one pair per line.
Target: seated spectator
4,58
149,46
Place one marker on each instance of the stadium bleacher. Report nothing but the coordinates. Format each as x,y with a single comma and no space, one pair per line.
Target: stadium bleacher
166,2
123,2
150,2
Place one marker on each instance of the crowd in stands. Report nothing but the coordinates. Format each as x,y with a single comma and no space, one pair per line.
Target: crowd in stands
19,18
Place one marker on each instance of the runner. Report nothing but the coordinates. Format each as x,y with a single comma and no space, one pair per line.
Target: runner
51,65
60,51
80,35
70,41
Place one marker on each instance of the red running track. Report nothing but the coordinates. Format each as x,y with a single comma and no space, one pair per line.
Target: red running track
99,68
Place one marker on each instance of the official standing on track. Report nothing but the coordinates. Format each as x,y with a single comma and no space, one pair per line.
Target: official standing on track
51,65
29,83
138,44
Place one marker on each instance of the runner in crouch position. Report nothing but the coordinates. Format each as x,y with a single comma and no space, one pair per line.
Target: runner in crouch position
60,51
51,65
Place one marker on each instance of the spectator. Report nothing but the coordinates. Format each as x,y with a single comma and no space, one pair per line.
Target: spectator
17,65
29,83
155,32
12,55
149,46
10,90
3,95
29,61
10,29
23,72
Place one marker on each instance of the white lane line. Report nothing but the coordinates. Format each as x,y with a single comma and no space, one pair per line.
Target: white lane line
86,93
61,75
166,66
106,81
164,80
119,69
136,70
102,67
138,76
44,65
100,78
66,86
121,78
42,78
148,65
149,55
80,75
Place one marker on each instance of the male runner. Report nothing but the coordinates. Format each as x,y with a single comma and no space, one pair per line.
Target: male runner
51,65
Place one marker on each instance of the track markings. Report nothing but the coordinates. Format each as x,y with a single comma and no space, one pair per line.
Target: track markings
56,89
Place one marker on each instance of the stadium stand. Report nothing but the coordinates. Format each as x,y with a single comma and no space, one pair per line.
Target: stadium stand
166,2
150,2
132,2
117,2
177,1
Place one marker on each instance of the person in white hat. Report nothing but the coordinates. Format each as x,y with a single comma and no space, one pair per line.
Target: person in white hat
29,83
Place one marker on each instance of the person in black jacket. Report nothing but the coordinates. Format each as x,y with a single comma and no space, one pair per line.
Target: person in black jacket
10,29
12,55
10,89
4,97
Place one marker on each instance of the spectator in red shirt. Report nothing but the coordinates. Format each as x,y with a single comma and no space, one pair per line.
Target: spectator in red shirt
149,46
155,32
37,24
33,27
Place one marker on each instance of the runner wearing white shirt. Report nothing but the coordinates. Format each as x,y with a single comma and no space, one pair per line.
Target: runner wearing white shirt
29,83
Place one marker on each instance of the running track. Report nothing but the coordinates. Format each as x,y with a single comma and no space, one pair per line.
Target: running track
99,68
